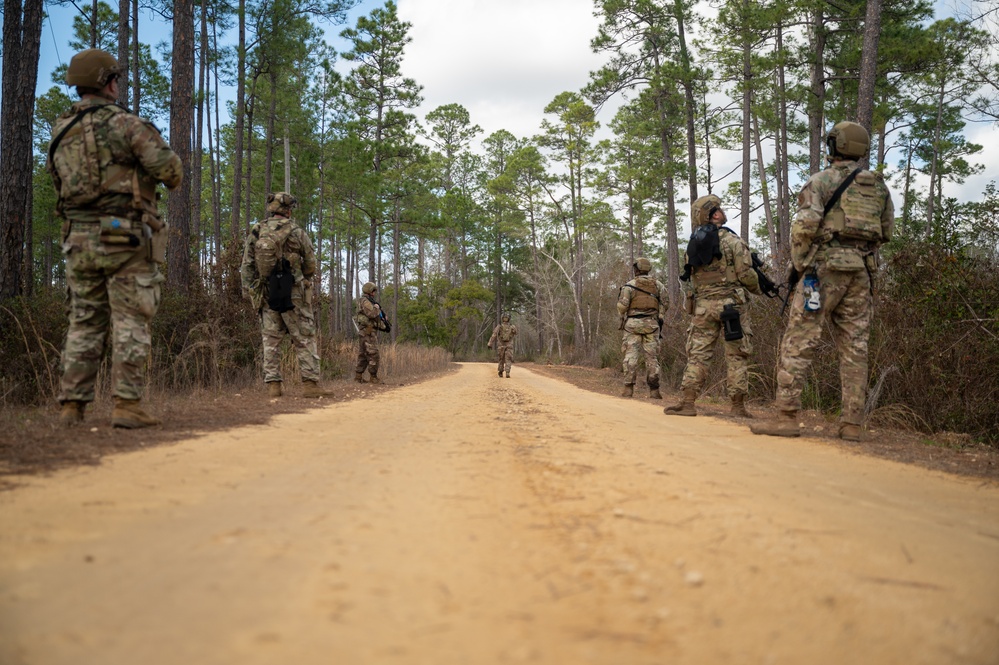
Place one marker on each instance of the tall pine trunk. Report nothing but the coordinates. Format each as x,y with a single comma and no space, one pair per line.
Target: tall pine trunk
817,100
181,107
123,14
237,157
22,32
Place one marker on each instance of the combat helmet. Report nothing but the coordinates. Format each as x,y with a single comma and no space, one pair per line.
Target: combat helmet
505,318
642,266
849,140
92,68
281,202
368,288
702,209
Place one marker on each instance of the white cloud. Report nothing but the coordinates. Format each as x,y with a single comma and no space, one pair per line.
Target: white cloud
503,60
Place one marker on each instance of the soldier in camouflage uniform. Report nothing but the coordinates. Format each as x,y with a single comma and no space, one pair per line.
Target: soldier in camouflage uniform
838,247
723,281
369,320
105,164
502,337
642,305
299,323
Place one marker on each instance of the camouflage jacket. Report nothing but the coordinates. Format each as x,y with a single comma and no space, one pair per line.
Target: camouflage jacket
726,276
108,162
297,250
504,334
369,315
807,224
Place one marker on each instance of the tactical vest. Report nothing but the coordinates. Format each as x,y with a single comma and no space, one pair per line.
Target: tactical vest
644,301
718,271
857,216
505,333
88,169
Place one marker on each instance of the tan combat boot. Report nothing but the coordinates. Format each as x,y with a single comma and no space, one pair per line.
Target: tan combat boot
685,407
72,412
849,432
374,377
508,375
129,415
739,407
274,389
500,374
311,388
786,424
359,377
629,390
654,392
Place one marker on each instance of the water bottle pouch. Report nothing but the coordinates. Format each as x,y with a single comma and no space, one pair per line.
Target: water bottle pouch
731,323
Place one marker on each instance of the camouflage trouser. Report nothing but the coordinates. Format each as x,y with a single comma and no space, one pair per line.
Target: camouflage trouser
635,346
112,286
703,333
846,305
505,357
367,352
300,325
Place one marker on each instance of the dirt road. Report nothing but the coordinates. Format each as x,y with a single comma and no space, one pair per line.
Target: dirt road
476,520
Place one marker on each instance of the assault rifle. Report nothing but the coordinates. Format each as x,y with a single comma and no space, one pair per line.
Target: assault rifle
767,286
385,322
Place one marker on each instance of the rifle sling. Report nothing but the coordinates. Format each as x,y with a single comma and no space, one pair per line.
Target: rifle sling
631,286
834,199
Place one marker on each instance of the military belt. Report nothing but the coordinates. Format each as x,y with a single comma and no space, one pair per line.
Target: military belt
862,245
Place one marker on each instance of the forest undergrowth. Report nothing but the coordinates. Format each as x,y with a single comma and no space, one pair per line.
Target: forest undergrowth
934,349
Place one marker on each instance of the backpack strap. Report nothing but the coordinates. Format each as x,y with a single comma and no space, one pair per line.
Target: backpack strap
76,119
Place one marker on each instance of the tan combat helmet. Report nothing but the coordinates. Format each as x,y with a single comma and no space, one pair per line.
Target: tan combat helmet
702,209
92,68
642,266
368,288
505,318
849,140
281,202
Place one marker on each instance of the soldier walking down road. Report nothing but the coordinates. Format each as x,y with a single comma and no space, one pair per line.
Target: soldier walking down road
844,214
369,319
717,276
642,305
276,272
105,164
502,338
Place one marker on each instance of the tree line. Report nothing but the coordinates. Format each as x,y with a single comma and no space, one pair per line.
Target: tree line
457,227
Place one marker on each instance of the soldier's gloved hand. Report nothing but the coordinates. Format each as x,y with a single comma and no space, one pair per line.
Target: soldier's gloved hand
489,346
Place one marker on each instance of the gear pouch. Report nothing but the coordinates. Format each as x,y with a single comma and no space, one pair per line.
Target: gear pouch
120,232
844,259
158,244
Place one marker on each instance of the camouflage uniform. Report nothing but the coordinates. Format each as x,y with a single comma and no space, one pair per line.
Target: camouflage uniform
642,304
105,169
298,323
724,282
843,267
502,341
369,322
